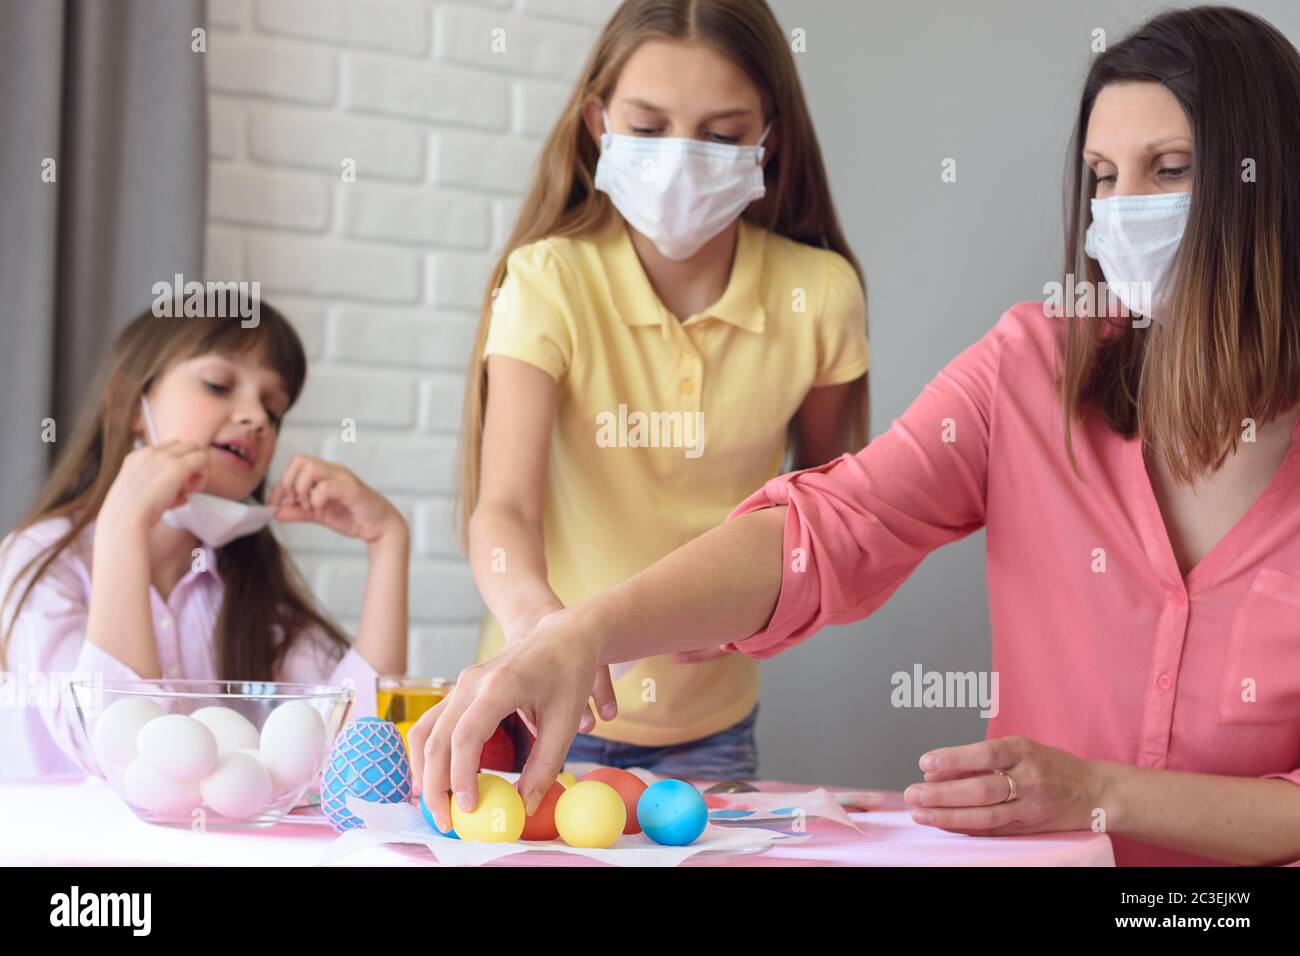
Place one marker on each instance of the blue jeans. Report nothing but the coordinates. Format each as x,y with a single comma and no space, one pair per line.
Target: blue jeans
729,754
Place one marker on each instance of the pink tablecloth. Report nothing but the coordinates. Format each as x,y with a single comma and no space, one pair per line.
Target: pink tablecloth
85,823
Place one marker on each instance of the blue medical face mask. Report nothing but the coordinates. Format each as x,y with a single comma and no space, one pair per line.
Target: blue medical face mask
1135,239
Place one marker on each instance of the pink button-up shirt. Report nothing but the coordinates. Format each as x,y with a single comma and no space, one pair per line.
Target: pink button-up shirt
40,732
1103,649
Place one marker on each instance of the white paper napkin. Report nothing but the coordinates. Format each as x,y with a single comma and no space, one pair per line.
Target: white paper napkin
404,823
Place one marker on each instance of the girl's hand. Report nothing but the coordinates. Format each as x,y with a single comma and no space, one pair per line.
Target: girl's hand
522,624
546,677
1055,790
327,493
154,479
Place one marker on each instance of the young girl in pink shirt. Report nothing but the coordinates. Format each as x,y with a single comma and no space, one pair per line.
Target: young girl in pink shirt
1136,469
94,582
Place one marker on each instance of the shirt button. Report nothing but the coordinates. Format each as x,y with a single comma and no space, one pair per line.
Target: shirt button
165,623
687,386
1179,598
1165,681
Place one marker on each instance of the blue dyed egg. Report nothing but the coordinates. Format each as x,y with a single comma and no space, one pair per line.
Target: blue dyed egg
672,812
428,816
368,761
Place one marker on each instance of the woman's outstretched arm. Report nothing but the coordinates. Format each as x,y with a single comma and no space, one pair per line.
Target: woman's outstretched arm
721,586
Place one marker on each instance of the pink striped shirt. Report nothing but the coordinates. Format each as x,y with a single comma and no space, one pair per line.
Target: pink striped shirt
40,733
1103,649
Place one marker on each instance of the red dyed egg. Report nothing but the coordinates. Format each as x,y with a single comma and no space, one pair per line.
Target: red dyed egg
541,825
498,753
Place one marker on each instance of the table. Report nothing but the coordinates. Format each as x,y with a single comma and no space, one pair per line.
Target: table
82,822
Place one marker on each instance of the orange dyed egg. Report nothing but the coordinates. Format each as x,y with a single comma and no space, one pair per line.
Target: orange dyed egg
628,786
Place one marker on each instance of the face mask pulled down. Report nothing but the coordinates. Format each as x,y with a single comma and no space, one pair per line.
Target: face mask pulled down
677,192
1135,239
212,519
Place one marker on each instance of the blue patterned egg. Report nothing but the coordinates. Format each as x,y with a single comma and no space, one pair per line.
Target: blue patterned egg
368,761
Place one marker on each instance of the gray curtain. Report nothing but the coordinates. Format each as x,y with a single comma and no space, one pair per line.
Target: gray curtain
111,91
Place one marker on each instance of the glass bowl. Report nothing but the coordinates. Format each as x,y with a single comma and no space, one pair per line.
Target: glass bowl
185,773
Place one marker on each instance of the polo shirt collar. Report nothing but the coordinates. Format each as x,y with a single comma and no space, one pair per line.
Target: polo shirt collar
630,287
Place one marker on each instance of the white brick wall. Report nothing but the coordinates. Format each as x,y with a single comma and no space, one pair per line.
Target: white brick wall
382,276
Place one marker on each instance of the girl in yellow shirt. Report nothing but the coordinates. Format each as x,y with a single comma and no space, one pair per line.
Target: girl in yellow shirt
675,310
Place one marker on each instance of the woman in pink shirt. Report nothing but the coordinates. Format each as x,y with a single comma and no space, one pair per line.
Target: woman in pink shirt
94,583
1135,467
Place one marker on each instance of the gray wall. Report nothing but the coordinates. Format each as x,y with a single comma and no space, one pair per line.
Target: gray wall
894,88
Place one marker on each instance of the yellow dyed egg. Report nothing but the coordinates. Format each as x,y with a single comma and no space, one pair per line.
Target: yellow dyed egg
566,779
498,817
590,814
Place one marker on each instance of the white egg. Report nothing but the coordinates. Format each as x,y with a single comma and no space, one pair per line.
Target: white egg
278,786
177,746
150,790
237,787
117,727
293,742
232,729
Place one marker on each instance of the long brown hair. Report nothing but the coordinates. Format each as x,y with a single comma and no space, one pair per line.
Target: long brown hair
263,590
562,200
1229,346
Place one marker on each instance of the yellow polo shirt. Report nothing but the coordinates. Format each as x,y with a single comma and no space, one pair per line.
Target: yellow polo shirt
662,426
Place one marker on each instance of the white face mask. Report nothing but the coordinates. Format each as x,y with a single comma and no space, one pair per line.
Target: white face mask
679,193
1134,239
210,518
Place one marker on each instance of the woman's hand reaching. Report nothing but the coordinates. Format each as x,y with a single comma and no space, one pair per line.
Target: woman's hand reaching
547,677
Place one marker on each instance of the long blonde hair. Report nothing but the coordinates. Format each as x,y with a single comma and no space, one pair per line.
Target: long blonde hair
562,199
